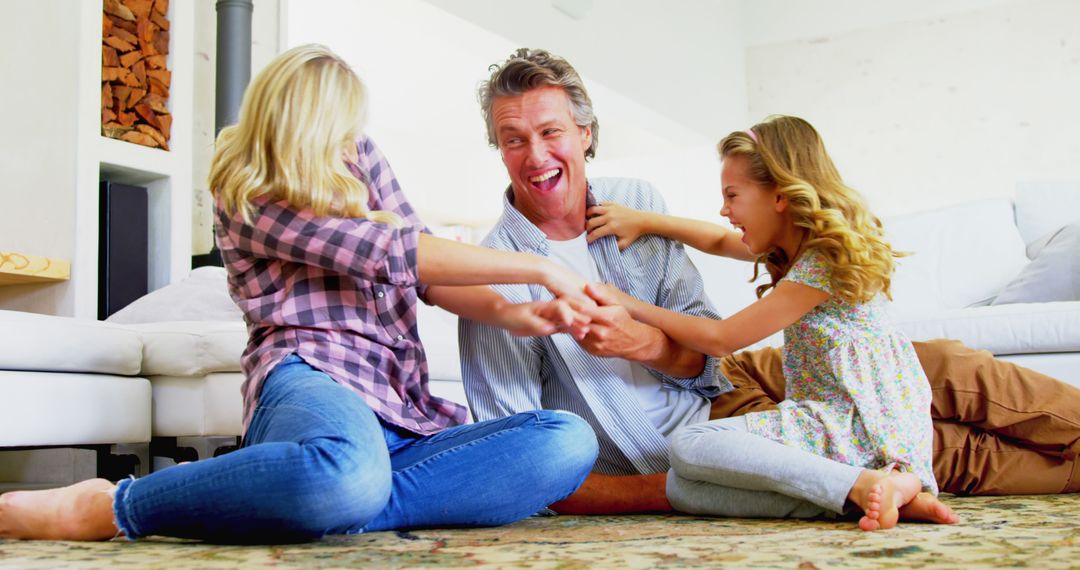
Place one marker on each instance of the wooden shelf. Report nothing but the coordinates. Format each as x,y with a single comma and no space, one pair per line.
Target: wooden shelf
17,269
134,164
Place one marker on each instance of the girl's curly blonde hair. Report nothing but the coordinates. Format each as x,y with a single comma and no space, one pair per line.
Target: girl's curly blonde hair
786,153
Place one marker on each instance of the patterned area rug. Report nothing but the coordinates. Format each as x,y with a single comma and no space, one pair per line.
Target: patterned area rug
1034,532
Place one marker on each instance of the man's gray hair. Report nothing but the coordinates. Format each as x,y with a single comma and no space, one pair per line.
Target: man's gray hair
529,69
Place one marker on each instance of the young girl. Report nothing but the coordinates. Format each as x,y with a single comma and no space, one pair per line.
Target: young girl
855,390
326,259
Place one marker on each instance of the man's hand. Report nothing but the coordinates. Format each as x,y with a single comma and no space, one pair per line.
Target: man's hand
624,331
613,332
543,318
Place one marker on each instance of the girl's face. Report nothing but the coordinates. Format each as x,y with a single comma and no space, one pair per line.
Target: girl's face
759,212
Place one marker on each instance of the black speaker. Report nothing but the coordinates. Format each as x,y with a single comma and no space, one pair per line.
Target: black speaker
122,246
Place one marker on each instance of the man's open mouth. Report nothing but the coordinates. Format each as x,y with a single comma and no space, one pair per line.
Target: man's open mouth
547,180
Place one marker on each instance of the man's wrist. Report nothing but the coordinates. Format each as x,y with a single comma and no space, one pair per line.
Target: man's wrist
651,350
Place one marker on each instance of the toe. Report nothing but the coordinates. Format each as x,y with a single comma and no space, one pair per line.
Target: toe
868,524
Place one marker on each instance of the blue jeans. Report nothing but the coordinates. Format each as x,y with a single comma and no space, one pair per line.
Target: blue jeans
316,460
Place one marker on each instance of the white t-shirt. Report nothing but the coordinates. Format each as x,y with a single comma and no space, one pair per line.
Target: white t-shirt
666,407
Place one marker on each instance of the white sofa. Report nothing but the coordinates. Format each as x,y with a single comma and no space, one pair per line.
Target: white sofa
81,382
192,336
194,371
74,383
969,258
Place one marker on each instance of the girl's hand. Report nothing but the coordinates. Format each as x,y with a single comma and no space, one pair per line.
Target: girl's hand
610,219
605,294
543,318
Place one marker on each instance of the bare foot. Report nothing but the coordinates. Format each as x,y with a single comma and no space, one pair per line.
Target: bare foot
82,511
926,507
880,495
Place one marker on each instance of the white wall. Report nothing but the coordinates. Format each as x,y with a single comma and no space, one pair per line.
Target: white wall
688,178
265,31
682,58
922,103
422,66
774,21
943,110
37,150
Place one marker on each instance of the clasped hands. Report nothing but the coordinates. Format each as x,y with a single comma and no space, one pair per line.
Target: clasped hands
596,316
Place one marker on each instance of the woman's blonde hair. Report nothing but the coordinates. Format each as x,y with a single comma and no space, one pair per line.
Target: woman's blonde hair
786,153
298,124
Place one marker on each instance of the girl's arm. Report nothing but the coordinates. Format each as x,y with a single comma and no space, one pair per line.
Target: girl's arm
784,305
627,224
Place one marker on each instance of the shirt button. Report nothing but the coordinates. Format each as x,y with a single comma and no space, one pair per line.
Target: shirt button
408,404
380,294
401,337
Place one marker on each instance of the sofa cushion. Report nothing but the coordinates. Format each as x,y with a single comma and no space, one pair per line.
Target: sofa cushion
1053,273
438,333
191,348
207,405
1043,206
1063,366
59,408
63,344
202,296
961,256
1004,329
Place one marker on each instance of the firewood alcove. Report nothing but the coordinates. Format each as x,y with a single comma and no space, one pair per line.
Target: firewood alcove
134,75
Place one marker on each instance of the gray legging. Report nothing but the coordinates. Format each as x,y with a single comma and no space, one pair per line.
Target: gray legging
719,468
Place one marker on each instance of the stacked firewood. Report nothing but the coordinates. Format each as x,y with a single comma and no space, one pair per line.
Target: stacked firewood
134,77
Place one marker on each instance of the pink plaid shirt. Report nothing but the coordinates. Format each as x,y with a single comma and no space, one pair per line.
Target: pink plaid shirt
339,292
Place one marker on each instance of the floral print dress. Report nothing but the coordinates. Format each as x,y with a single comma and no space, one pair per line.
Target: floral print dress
856,392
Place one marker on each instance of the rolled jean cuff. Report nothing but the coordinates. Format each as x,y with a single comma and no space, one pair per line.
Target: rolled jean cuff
121,510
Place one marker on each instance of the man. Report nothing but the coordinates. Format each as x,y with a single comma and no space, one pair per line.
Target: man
999,428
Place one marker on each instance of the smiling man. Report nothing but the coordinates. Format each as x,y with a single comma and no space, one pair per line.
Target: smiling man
544,152
635,386
540,118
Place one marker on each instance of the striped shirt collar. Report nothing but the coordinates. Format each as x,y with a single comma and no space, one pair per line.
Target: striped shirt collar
521,230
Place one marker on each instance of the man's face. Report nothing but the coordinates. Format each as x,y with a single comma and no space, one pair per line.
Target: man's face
544,153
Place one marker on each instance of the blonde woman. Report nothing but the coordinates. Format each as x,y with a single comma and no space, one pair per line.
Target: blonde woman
856,393
327,259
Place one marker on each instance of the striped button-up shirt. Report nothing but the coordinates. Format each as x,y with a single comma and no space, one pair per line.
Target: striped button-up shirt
505,374
339,292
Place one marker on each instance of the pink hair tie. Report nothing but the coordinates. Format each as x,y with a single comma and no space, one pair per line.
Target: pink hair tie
750,133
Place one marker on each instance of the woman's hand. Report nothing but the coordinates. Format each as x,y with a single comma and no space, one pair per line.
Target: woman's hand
543,318
564,283
611,219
